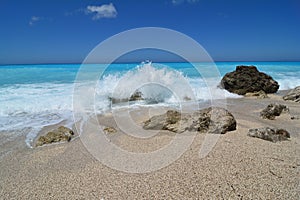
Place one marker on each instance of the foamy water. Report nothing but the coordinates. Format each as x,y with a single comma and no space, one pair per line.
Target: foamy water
34,96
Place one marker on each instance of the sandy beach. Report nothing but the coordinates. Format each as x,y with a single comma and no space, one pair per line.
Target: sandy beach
238,167
173,99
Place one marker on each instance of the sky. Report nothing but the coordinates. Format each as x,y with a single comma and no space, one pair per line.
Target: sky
65,31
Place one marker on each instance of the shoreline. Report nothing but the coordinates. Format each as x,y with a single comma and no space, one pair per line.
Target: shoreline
119,106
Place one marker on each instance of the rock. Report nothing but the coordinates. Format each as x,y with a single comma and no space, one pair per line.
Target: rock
186,98
213,119
269,134
293,95
260,95
136,96
221,121
168,121
66,131
295,117
273,110
248,79
109,130
58,135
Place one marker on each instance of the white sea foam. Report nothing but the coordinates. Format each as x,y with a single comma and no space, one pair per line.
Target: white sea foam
160,85
288,82
26,108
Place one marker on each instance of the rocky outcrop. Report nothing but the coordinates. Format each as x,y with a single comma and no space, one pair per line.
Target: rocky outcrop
293,95
61,134
214,120
248,79
259,95
273,110
269,134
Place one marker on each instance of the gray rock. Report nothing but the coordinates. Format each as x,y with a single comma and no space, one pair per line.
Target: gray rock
273,110
269,134
58,135
248,79
213,119
293,95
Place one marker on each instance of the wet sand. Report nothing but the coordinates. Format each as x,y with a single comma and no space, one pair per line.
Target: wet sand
238,167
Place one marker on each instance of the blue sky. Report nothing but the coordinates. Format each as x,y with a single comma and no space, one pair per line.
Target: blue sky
65,31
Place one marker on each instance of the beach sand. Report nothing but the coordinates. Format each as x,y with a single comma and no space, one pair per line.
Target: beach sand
238,167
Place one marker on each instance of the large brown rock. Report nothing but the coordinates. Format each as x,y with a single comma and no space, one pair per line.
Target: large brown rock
61,134
213,119
293,95
248,79
269,134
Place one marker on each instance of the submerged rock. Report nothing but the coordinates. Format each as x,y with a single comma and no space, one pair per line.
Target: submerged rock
260,95
293,95
60,134
248,79
273,110
269,134
213,119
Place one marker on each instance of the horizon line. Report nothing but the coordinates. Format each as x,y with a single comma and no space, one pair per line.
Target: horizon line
74,63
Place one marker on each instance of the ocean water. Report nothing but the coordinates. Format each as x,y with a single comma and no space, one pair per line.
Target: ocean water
34,96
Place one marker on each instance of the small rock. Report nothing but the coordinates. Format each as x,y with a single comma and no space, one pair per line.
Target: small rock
221,121
60,134
136,96
293,95
269,134
213,119
186,98
295,117
109,130
260,95
248,79
273,110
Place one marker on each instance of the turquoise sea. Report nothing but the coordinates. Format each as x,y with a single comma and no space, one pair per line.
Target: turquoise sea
34,96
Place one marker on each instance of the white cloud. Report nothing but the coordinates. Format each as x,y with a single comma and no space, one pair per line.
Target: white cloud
103,11
34,19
